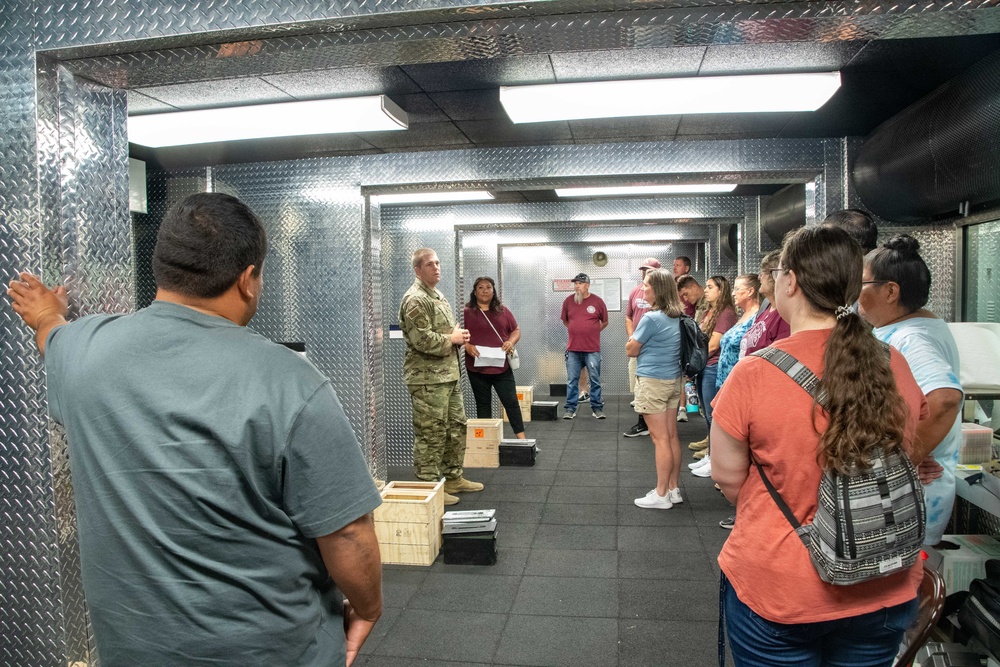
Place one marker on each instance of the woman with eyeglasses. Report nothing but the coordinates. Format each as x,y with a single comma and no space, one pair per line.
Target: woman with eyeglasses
746,296
777,609
767,326
490,323
719,318
895,286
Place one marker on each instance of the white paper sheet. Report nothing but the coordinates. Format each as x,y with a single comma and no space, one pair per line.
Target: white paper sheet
490,356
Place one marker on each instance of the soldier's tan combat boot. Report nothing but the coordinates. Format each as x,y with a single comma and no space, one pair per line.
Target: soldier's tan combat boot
450,499
461,485
698,446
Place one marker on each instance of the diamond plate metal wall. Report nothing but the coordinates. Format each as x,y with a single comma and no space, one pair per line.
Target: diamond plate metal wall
63,187
938,247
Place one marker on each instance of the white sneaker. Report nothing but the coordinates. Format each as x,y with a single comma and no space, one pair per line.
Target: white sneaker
674,496
682,416
699,464
654,501
704,471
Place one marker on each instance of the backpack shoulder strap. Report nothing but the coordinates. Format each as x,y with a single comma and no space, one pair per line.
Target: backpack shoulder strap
794,369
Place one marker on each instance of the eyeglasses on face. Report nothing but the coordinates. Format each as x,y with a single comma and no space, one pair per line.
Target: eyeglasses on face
775,272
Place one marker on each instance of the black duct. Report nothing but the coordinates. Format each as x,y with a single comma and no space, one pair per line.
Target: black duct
731,242
785,212
937,153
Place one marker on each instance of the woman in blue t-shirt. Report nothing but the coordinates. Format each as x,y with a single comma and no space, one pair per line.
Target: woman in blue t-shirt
895,287
659,383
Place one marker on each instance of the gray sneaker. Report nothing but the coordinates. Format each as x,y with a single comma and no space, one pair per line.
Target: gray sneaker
728,524
599,414
569,414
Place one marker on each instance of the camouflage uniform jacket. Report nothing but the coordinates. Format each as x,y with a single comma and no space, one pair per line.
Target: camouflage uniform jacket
700,309
427,321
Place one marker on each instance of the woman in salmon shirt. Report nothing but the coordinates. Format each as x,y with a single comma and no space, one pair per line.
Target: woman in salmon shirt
778,611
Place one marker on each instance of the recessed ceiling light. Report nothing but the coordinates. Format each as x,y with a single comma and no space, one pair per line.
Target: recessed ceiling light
432,197
755,93
287,119
635,190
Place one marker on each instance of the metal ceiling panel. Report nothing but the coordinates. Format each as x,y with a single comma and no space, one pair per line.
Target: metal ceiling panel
655,128
344,82
501,131
139,104
427,135
477,74
421,108
774,58
208,94
470,104
769,124
627,64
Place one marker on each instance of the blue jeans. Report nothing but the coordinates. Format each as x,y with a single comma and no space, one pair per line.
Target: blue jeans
707,391
574,363
866,640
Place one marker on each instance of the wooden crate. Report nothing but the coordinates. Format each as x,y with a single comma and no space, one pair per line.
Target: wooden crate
482,443
437,488
483,434
408,525
486,459
525,395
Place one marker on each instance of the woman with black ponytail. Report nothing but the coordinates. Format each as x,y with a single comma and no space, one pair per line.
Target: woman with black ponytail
778,610
895,287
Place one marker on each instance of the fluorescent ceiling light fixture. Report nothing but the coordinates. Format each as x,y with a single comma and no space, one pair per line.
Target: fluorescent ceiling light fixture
375,113
634,190
756,93
432,197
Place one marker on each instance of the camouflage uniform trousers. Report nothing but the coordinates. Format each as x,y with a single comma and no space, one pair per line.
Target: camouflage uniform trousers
438,430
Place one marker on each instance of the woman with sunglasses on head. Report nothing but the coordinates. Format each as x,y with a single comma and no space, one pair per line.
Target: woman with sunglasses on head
659,383
491,324
778,611
719,318
895,286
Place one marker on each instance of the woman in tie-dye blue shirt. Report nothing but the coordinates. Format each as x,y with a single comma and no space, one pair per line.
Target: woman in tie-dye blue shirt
895,287
746,295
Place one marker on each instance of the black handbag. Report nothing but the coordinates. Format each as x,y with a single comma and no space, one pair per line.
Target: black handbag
979,615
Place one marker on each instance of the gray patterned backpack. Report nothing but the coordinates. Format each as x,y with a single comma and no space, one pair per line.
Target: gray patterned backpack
869,523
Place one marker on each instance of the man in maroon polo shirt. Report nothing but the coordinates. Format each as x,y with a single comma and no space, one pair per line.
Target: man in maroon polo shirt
636,308
585,316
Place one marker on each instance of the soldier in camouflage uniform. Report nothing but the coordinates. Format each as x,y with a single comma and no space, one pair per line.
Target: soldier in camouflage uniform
431,373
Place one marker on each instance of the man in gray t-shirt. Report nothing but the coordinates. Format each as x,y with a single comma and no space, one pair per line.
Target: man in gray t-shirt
222,498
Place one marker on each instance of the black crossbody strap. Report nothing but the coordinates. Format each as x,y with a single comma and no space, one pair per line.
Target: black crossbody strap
778,500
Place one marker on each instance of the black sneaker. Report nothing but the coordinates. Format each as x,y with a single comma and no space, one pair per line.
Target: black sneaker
584,397
728,524
598,414
636,431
